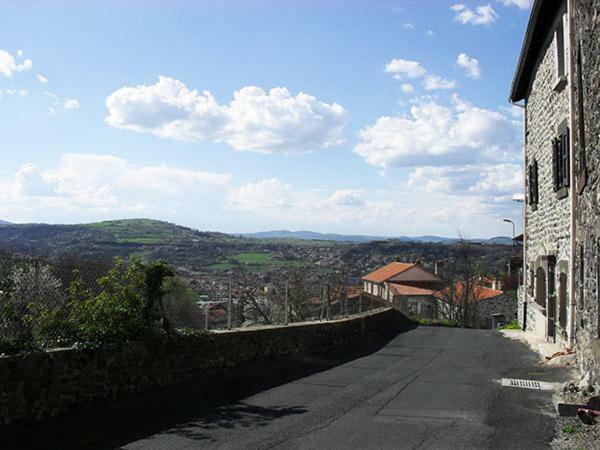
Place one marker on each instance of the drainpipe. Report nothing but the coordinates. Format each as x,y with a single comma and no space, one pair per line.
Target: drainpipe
573,190
524,264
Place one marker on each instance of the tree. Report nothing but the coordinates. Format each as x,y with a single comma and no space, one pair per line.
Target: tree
155,275
460,295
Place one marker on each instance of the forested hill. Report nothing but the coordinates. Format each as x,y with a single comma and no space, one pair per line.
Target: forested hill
199,251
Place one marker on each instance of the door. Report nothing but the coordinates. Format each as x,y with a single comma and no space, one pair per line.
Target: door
551,304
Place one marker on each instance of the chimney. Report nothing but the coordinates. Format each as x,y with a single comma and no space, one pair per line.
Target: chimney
438,268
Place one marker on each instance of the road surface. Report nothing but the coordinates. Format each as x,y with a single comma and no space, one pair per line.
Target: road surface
428,387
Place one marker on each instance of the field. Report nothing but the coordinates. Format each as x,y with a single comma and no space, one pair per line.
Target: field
252,262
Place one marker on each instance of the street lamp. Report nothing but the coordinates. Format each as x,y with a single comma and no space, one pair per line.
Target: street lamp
513,227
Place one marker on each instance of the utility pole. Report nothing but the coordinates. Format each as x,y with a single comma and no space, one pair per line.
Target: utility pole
345,300
360,303
328,304
287,303
206,309
229,305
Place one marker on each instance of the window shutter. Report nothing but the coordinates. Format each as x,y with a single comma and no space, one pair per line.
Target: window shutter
567,154
581,124
555,165
535,177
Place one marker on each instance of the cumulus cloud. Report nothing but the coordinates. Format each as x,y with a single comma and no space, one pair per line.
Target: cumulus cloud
346,197
429,33
407,88
9,64
70,103
255,120
521,4
87,185
265,194
433,82
408,25
404,68
487,179
41,78
482,15
470,65
435,134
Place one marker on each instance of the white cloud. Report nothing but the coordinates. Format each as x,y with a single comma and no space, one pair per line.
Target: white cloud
19,92
434,134
41,78
60,103
255,120
84,186
470,65
401,68
9,65
70,103
433,82
408,25
494,179
429,33
264,194
346,197
482,15
407,88
522,4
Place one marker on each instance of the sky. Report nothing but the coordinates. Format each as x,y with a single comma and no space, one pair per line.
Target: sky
363,117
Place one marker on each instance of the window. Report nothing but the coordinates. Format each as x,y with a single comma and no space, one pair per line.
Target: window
533,196
560,161
561,49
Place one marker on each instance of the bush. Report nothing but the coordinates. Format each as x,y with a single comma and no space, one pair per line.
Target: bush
438,323
118,313
512,325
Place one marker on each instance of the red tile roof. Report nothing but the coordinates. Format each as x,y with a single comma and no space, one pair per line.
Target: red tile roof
387,272
480,293
403,289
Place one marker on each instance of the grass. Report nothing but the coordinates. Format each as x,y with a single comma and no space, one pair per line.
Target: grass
253,262
438,323
569,429
512,325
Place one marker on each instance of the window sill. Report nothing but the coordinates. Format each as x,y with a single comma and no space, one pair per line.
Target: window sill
560,84
563,192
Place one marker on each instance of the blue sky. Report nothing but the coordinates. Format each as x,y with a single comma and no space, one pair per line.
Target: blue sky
353,117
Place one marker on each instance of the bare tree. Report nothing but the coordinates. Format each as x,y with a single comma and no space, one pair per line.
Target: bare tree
460,296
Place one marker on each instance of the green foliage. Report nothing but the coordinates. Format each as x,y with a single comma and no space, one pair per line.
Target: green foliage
438,323
122,311
569,429
512,325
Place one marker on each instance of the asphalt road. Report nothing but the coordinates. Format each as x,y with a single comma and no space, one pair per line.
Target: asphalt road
425,388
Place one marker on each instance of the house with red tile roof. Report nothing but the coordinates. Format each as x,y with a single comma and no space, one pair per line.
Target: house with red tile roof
407,286
490,306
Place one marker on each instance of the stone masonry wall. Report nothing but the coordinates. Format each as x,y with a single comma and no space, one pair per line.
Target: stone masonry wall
586,34
46,384
546,228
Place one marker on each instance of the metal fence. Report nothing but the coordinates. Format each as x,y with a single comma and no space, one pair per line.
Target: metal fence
52,304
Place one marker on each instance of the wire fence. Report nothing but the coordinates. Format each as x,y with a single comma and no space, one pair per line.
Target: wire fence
72,301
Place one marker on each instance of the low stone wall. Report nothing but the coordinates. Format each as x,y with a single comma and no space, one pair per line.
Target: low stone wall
41,385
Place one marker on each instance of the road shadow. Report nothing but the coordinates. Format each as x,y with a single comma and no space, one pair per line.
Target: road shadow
189,408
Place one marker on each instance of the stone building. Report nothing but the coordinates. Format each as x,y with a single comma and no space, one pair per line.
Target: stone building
557,80
407,286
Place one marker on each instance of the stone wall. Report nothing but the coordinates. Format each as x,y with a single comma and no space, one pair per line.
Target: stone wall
547,227
501,304
586,37
41,385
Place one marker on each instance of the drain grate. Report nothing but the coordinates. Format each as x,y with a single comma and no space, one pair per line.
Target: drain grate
527,384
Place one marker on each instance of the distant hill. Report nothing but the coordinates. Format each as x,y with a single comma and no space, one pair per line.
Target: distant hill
4,222
312,235
196,252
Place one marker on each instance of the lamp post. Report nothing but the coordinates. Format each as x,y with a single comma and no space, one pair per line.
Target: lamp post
513,239
513,228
